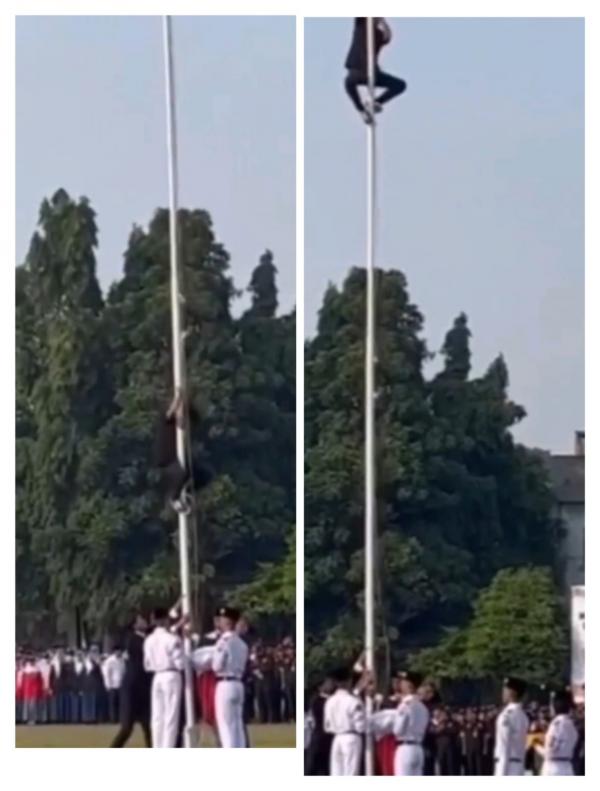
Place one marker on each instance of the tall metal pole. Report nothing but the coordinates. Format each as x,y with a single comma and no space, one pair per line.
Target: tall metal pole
179,368
370,503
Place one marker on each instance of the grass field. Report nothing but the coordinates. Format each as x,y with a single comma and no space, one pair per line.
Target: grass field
101,736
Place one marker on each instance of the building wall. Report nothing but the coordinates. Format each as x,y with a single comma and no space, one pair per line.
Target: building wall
573,547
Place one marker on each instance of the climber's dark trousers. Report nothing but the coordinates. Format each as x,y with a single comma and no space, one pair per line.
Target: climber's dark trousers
176,479
394,86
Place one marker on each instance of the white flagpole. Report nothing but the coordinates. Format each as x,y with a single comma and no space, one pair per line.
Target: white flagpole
370,503
179,369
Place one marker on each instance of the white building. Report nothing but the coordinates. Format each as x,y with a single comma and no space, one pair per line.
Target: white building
567,475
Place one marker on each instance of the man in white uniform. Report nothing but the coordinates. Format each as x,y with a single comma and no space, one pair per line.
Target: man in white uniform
512,726
344,717
561,738
229,665
410,725
163,656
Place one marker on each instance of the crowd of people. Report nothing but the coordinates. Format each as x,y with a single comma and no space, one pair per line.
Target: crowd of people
415,732
63,685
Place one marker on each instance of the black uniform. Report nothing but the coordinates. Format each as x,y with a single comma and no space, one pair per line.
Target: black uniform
429,746
135,693
317,760
471,737
356,63
92,694
447,749
487,748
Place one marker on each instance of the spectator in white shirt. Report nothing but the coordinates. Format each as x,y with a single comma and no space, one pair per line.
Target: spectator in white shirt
113,670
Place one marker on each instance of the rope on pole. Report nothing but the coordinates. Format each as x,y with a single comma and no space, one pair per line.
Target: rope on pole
179,368
370,482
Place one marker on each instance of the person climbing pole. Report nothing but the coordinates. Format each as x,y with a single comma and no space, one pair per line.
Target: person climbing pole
356,64
178,480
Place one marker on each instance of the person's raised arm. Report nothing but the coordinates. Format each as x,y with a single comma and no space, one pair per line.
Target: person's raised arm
219,662
327,719
177,656
401,722
358,718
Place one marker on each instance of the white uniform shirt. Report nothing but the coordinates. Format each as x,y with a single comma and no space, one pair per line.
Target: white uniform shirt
162,651
561,739
512,726
30,668
56,665
309,727
113,670
230,656
45,668
412,718
344,713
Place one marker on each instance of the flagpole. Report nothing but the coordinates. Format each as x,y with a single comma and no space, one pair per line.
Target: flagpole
370,483
179,369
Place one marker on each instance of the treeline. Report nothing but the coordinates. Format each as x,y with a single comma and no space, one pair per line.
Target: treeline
94,539
459,502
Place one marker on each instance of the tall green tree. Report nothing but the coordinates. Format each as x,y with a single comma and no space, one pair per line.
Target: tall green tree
72,393
94,533
457,498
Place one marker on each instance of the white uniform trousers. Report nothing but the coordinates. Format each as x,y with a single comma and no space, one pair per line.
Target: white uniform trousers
408,760
550,768
514,768
346,750
229,713
166,703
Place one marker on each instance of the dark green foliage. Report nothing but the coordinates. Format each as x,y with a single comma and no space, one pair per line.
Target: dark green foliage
457,498
93,532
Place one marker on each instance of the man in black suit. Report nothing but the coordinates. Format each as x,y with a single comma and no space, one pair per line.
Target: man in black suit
135,689
356,64
430,697
317,759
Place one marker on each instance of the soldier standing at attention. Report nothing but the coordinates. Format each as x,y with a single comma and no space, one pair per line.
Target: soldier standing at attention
561,738
512,725
163,656
229,665
410,726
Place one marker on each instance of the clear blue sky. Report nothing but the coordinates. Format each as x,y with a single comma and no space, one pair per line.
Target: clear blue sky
481,193
90,118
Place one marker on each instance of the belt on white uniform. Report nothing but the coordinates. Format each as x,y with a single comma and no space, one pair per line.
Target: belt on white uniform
349,733
228,678
559,760
167,670
402,742
511,760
